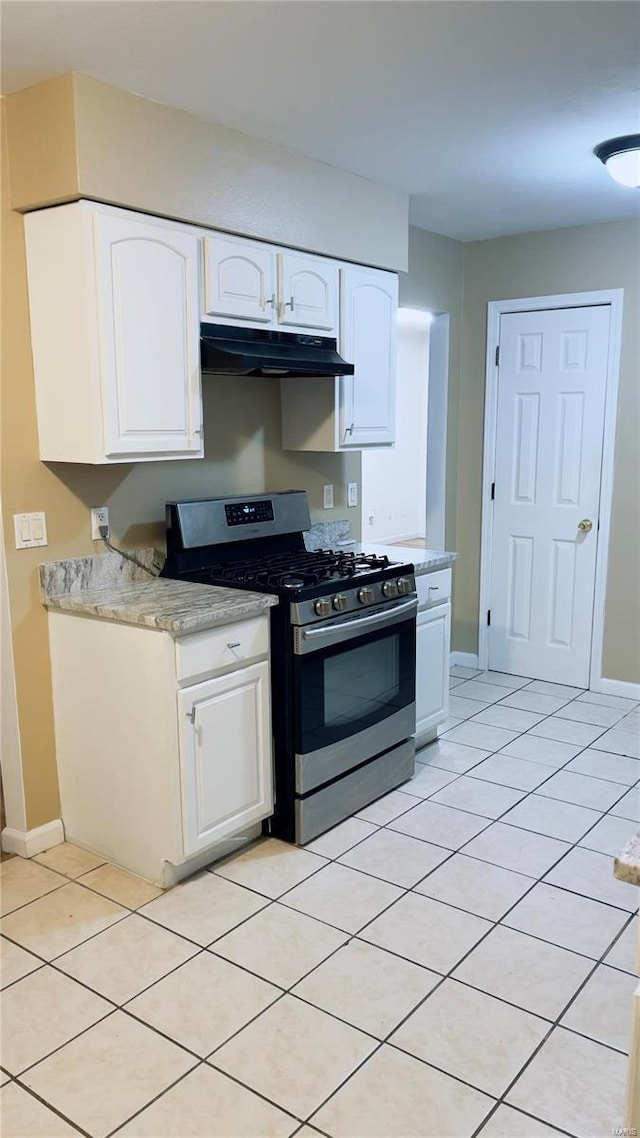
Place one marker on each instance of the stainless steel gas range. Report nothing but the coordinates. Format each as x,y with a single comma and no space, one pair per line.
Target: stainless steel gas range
342,651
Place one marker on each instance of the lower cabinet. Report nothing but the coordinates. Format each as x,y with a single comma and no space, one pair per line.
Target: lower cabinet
225,755
433,635
163,744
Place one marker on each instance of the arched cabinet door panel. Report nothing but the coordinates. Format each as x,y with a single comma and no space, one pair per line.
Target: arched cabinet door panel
240,280
147,279
308,293
369,305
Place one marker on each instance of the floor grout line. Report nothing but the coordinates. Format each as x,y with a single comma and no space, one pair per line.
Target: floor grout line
357,936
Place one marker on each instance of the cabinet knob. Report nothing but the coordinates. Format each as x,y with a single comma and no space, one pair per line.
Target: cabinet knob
269,301
234,644
290,303
191,715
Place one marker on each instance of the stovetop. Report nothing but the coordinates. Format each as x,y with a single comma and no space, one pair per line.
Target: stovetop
257,543
294,570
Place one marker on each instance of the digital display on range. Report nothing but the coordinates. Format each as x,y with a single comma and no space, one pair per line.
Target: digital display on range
248,513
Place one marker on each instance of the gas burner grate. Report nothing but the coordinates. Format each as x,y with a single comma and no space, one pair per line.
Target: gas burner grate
294,570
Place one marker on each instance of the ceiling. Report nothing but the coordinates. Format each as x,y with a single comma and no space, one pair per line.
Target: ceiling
486,112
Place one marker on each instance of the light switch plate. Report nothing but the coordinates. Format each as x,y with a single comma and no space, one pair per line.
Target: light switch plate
30,530
327,496
352,493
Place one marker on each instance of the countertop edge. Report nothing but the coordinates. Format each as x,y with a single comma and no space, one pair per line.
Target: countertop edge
423,560
237,605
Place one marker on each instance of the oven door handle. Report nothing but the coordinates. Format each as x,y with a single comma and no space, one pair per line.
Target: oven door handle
310,639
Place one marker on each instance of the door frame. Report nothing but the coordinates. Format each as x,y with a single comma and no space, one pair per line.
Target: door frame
495,310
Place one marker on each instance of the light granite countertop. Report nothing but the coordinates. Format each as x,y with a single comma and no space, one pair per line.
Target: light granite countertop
626,866
424,560
110,588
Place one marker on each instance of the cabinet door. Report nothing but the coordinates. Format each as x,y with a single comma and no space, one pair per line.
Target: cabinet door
225,755
368,308
307,293
432,667
240,280
148,326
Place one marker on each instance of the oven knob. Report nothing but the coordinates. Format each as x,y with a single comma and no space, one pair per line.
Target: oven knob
389,589
404,584
365,596
322,608
340,601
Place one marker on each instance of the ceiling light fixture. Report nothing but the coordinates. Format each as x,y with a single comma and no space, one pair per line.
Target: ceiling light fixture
621,156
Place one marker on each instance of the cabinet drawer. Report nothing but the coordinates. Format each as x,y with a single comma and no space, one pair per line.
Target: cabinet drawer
434,588
216,648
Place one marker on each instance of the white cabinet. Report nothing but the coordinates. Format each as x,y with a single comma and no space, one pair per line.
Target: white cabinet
351,411
239,280
225,755
115,335
307,293
432,667
433,637
368,312
254,284
181,771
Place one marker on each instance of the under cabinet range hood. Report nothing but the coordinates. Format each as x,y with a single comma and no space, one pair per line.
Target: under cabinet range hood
226,350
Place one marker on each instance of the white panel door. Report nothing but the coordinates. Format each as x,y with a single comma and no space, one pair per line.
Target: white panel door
550,419
368,308
149,335
432,667
239,280
308,293
225,755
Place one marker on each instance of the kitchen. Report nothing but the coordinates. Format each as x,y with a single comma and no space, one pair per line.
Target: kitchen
241,427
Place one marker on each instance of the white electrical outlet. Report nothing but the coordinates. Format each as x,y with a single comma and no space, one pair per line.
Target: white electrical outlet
352,493
99,517
327,497
30,530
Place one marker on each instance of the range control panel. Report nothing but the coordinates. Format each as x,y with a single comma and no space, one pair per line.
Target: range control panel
248,513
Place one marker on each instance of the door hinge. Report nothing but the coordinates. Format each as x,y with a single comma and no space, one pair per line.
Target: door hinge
493,491
497,355
488,616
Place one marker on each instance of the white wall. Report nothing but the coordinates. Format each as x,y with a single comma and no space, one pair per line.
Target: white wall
394,478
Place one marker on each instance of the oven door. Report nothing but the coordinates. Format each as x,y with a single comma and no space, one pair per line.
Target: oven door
354,690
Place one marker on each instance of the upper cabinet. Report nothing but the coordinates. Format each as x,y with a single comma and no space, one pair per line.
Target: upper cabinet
358,410
369,306
307,293
249,282
114,309
116,299
239,280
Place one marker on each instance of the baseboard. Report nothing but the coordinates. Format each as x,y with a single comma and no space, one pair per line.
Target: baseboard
464,659
27,843
617,687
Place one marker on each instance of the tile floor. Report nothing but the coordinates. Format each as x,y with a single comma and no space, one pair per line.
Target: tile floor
457,960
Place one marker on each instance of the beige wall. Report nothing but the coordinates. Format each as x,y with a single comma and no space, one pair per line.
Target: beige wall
434,282
580,259
75,136
242,440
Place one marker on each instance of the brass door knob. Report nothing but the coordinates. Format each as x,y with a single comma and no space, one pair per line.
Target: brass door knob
586,525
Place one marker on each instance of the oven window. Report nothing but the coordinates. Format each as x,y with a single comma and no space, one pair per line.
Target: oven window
361,682
346,688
